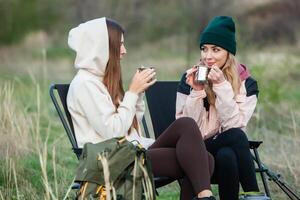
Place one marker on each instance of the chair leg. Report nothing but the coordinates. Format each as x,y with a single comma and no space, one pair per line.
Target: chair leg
281,184
262,172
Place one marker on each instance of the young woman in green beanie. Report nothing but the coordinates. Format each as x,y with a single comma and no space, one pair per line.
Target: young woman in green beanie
222,107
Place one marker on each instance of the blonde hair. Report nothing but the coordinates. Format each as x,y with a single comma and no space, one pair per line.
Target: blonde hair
231,75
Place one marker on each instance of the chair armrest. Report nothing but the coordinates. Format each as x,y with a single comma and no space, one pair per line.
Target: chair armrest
255,144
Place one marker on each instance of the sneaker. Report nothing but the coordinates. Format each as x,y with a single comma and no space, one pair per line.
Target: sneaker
204,198
253,196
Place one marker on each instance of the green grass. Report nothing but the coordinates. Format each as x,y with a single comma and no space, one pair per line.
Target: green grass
32,128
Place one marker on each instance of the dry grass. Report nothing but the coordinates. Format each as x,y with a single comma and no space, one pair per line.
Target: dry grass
15,124
21,136
36,160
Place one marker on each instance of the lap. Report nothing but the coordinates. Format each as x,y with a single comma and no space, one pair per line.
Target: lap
234,137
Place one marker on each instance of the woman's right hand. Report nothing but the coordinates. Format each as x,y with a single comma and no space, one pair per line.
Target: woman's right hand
142,80
190,79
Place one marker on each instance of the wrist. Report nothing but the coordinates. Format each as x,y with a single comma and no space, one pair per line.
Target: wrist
130,93
198,89
133,91
198,93
219,83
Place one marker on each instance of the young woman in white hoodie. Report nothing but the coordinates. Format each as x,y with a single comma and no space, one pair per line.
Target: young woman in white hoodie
222,107
101,109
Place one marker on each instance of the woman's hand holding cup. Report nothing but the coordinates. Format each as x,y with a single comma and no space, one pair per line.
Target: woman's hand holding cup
190,79
142,79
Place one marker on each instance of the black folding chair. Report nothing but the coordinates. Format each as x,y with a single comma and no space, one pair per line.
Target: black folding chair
161,100
61,107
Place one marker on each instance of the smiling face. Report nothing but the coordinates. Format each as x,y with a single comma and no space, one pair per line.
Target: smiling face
213,55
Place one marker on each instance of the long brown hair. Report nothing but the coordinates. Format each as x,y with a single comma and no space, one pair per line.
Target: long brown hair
112,77
231,74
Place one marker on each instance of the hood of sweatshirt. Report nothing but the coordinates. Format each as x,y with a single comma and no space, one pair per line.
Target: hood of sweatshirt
243,71
90,42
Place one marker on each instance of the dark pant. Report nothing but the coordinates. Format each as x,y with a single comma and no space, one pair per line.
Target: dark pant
177,154
234,163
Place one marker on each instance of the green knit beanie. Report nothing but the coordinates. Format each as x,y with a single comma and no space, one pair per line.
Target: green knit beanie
220,31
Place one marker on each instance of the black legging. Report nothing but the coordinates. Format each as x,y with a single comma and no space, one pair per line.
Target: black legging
234,163
177,154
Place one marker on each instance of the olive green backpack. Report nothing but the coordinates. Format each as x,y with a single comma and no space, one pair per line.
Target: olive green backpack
114,169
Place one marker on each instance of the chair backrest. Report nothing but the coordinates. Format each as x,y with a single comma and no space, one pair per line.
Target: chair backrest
161,100
63,113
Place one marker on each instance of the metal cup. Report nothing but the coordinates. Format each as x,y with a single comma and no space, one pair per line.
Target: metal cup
143,68
201,74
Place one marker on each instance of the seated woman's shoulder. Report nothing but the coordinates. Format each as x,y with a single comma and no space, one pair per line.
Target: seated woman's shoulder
251,87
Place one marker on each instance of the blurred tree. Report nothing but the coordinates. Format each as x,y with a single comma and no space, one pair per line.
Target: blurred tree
272,23
15,21
20,17
148,21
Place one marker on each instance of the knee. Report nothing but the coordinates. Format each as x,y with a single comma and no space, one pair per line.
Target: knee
186,122
226,160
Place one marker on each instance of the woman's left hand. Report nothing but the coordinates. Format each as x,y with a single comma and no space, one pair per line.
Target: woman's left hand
216,75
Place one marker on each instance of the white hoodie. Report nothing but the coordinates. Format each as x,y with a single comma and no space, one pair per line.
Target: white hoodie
95,117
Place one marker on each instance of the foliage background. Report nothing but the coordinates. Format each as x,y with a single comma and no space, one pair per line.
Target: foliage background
35,156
